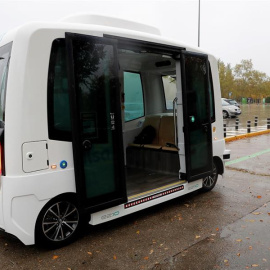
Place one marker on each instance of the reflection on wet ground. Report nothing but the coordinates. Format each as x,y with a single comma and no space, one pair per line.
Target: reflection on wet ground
249,111
238,213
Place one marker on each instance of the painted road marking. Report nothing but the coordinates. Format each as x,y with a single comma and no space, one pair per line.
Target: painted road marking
247,157
247,135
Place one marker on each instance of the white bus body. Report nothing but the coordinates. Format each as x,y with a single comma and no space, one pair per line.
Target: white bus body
74,95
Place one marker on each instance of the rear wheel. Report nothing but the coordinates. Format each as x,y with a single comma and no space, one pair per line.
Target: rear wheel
58,223
209,182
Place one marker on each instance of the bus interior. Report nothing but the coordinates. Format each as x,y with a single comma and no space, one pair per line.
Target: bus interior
149,87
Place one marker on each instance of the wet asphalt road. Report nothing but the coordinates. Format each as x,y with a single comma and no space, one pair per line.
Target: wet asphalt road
227,228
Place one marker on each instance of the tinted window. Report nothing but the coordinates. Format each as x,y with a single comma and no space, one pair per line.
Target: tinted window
196,81
169,85
134,105
58,99
198,139
95,113
212,98
225,103
4,60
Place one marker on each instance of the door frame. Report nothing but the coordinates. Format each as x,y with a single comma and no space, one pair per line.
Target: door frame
120,195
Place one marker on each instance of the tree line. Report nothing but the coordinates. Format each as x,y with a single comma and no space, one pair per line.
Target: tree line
243,80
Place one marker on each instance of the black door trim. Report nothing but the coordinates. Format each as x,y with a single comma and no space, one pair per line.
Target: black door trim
119,196
143,45
189,176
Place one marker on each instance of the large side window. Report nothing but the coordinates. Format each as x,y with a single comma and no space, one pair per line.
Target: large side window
134,103
4,61
58,94
169,86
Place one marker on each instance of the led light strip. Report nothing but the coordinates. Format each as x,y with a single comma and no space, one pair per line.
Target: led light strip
156,189
153,197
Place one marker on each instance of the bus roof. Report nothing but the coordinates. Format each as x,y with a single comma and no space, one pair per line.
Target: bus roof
83,23
111,22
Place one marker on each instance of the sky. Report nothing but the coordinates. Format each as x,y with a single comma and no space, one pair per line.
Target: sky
231,30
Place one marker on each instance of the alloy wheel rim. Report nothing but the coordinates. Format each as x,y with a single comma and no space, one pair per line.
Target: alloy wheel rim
60,221
210,180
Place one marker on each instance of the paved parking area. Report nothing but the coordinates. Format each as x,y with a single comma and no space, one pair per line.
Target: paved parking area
227,228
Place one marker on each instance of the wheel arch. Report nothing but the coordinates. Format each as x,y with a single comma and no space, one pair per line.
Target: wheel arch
219,164
70,196
227,113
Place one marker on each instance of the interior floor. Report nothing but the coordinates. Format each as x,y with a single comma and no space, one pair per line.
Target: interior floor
141,181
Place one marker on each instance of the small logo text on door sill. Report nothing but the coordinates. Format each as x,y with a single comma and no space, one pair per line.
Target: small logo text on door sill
193,187
110,215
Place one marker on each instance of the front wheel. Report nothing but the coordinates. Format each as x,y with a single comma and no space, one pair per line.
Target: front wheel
225,114
58,223
209,182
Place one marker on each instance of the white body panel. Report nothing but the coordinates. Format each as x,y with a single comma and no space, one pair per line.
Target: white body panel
30,183
120,211
24,197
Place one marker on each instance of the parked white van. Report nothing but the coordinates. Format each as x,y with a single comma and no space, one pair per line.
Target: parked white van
76,98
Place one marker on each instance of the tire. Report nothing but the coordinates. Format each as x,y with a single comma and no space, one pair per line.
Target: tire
209,182
225,114
58,223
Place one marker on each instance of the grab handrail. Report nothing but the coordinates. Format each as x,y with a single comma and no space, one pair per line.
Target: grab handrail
175,122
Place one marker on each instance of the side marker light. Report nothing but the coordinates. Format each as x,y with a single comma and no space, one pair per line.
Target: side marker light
63,164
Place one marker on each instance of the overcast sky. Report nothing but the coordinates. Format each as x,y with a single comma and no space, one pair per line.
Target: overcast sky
231,30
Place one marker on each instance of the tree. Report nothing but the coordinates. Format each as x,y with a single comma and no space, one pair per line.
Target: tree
250,82
226,78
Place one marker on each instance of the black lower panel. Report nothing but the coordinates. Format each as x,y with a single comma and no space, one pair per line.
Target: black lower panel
166,162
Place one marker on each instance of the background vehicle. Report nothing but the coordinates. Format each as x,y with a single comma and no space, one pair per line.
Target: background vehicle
229,110
232,102
73,107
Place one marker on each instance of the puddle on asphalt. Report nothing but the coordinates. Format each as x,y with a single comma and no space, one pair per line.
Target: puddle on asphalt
248,114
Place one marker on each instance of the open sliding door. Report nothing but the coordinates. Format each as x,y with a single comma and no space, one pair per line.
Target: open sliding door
196,116
96,121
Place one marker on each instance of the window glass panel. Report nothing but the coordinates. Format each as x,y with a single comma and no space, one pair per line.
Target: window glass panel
59,111
169,85
195,84
197,109
4,60
134,105
94,78
211,94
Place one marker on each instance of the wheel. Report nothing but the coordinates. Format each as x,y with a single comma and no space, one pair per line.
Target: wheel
58,223
209,182
225,114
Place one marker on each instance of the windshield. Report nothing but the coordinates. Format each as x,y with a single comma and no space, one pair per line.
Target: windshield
224,103
4,60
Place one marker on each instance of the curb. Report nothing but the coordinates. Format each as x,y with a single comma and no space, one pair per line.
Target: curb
244,136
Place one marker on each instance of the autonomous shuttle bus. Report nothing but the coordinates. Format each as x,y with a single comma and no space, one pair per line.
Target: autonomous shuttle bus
100,118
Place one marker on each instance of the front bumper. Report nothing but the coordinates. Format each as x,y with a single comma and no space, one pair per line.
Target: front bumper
234,113
226,155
